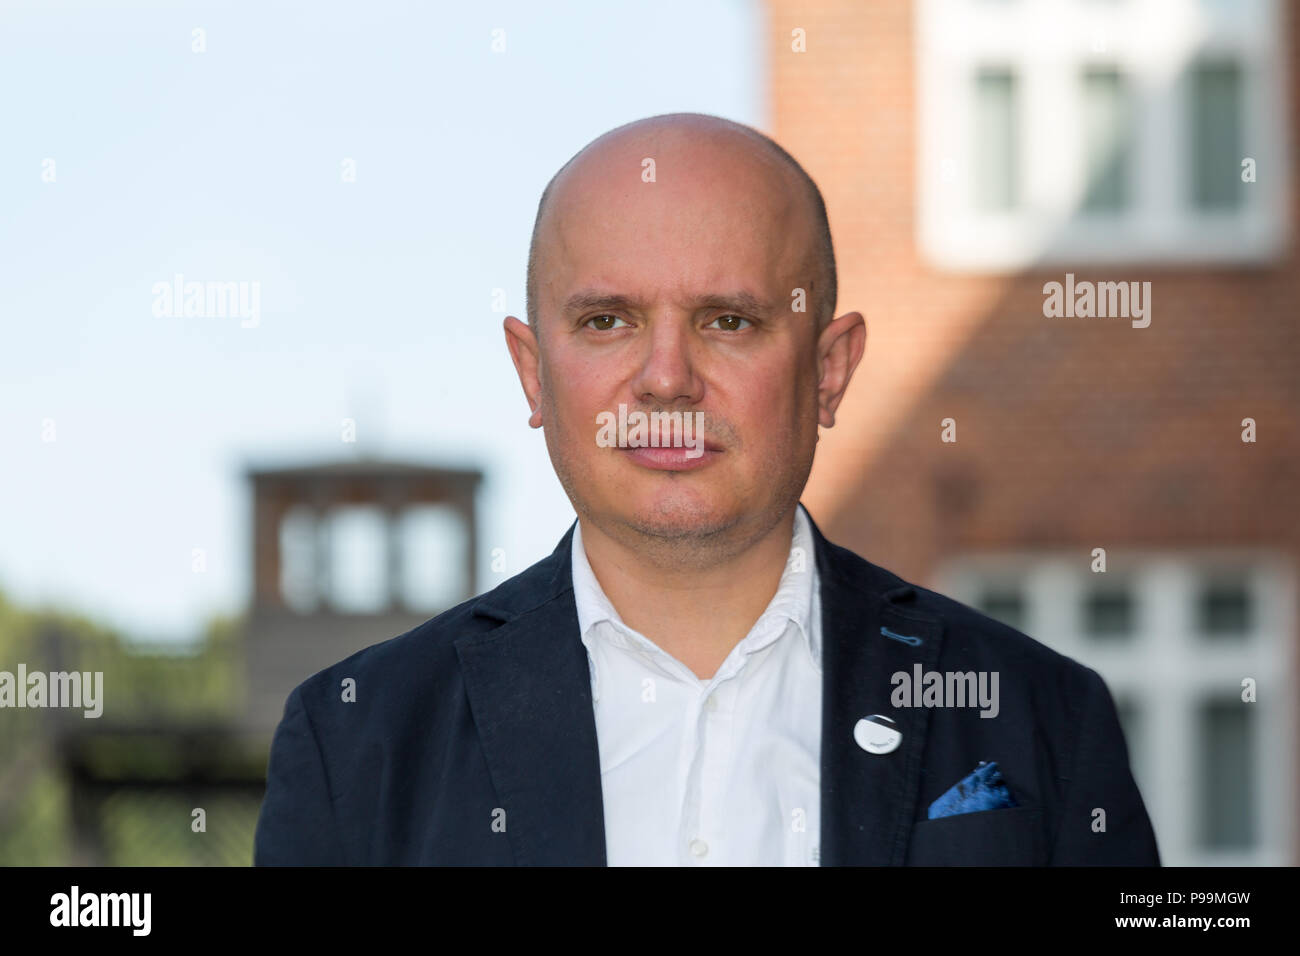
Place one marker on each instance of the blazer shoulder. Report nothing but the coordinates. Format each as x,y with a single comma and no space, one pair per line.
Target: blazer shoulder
428,651
420,650
975,640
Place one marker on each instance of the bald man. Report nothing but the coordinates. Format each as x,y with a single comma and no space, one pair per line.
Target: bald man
696,676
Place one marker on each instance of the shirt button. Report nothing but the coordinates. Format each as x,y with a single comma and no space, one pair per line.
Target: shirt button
711,702
699,847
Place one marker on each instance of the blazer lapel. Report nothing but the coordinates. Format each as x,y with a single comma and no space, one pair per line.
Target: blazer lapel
868,801
529,690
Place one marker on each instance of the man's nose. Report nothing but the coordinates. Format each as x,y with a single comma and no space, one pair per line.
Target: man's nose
668,369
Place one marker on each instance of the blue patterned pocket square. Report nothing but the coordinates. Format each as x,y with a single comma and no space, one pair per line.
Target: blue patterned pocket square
982,789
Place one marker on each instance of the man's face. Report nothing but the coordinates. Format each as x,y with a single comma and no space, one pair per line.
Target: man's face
677,296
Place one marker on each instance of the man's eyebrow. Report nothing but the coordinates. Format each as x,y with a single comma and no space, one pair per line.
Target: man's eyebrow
593,299
739,301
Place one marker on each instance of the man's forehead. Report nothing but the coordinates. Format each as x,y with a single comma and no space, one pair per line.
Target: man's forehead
752,273
715,213
601,278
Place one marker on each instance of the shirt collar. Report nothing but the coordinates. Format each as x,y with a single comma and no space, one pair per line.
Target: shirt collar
796,599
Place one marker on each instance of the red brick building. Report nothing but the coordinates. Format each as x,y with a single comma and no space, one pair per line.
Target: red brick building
971,152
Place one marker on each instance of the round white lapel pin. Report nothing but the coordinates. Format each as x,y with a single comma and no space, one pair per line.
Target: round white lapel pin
876,734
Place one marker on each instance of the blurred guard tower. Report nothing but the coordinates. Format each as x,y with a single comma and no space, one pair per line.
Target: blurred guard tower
346,555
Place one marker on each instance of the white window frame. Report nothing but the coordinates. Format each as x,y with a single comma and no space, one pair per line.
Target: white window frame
1047,44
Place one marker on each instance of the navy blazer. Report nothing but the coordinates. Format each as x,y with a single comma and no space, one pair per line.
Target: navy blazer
472,740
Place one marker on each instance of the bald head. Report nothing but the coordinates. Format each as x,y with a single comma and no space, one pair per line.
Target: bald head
777,176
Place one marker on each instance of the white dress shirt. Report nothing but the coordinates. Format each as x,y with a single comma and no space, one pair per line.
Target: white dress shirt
720,772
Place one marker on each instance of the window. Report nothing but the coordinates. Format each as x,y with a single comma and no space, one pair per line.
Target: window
433,549
1107,139
1227,775
1224,608
1004,604
1108,613
370,560
996,173
1059,132
298,571
1215,147
356,541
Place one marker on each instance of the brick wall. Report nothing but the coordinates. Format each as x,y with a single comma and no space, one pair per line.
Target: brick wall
1068,430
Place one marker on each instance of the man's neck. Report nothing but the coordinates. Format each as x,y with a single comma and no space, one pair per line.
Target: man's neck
696,614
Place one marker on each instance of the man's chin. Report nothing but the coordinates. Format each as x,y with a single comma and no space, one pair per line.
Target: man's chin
677,516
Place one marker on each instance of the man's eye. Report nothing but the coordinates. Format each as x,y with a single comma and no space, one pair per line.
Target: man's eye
731,323
603,323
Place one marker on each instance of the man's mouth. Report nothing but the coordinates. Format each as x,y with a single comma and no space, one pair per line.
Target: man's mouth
674,459
673,441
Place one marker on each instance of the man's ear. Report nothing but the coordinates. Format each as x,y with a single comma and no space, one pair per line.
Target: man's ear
839,349
527,358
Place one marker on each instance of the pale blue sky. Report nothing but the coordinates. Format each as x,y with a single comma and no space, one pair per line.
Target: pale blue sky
375,295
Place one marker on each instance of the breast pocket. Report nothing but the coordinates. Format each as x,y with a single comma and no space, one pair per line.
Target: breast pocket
1010,837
